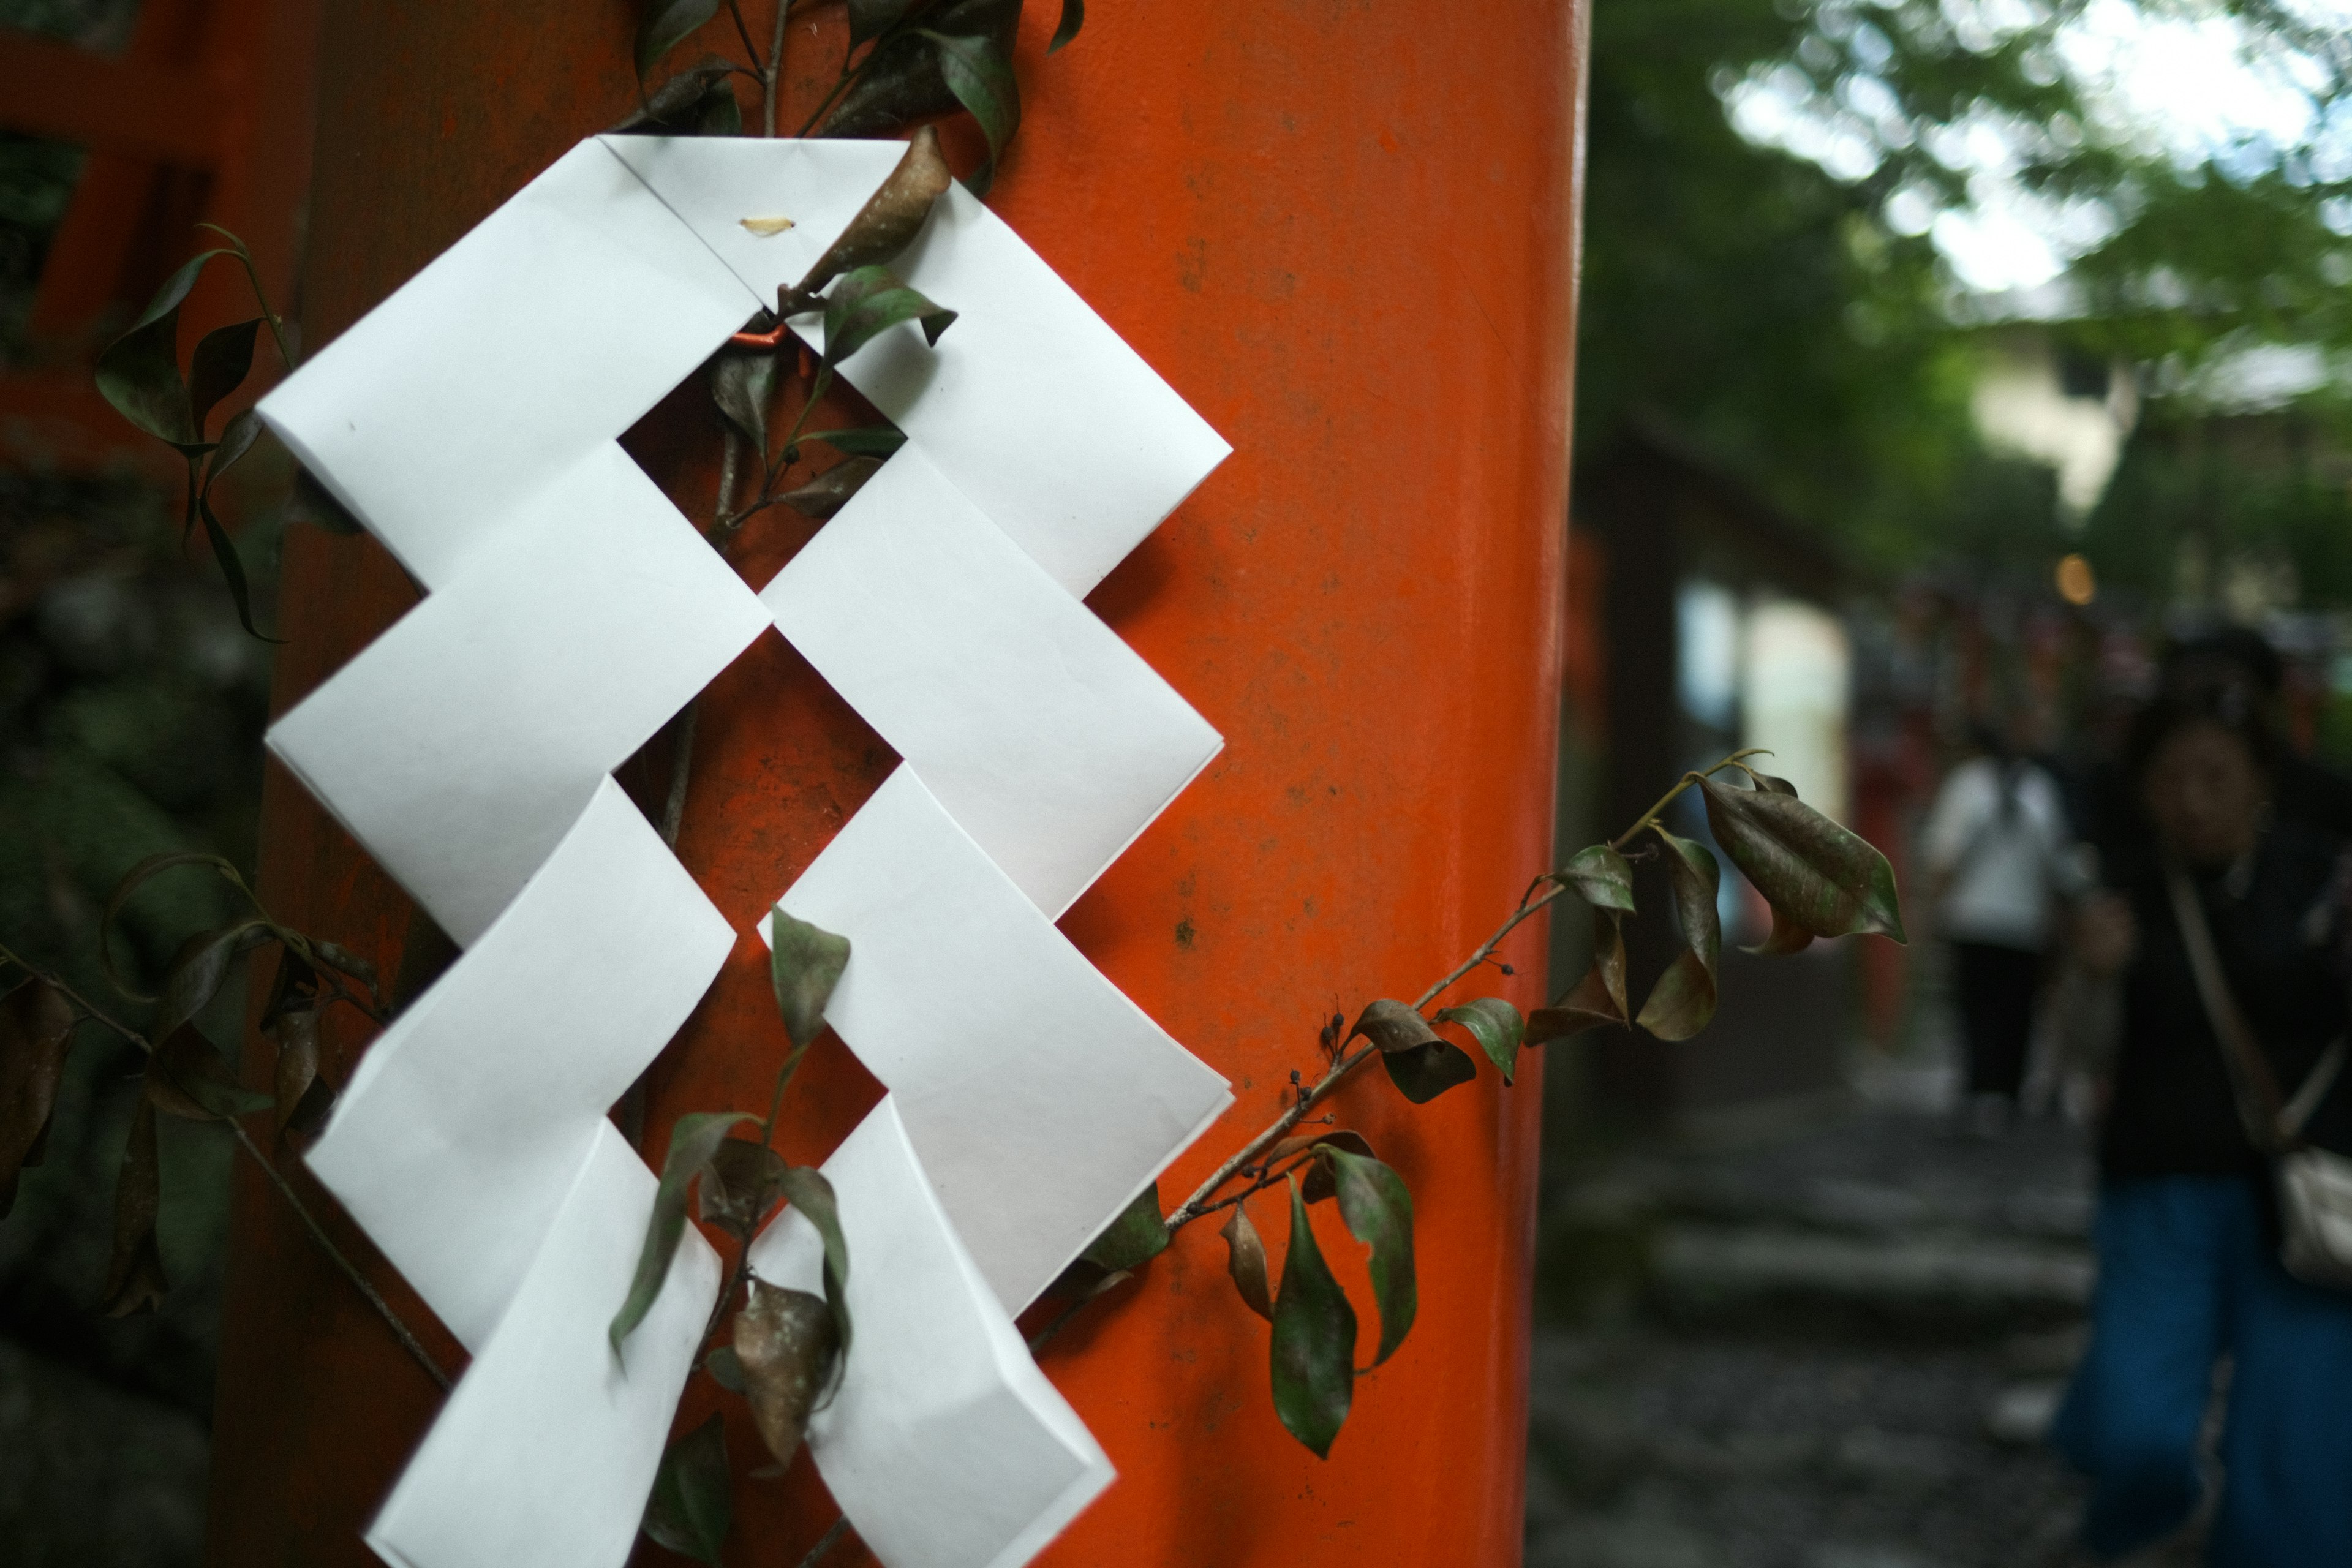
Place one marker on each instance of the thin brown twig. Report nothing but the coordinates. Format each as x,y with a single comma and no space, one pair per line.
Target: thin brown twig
773,71
827,1542
326,1243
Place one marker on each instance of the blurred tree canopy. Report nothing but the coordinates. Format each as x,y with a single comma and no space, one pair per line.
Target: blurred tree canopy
1796,218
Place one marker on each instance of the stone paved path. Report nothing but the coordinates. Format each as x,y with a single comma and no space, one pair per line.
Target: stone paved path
1830,1351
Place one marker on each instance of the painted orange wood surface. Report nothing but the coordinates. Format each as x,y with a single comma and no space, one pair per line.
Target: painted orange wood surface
1343,231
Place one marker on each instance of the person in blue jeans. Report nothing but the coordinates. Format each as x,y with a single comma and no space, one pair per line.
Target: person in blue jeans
2187,1234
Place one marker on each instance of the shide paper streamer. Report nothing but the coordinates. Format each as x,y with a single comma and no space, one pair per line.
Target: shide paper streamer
471,423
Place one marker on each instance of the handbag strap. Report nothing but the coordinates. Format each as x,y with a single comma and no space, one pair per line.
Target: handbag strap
2260,1108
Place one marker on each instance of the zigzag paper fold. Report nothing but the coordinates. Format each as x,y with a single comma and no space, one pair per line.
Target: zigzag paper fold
470,422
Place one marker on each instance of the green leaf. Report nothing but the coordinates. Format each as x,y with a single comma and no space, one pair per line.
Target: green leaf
692,1142
139,373
1136,1235
665,25
1599,998
870,19
1684,998
743,386
236,438
981,76
196,971
805,963
744,1181
1830,881
135,1281
1600,875
719,113
1316,1182
832,489
1378,1212
869,302
900,83
231,569
693,1503
888,222
224,356
1497,1028
864,441
135,877
788,1346
188,1077
36,1028
1314,1341
812,1194
1245,1261
1074,16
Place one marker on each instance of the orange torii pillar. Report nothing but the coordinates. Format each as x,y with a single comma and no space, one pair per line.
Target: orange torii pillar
1346,234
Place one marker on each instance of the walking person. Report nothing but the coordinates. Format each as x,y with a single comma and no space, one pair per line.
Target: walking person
2226,932
1998,858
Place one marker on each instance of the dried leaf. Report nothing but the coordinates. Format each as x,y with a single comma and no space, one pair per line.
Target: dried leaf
345,960
1824,879
1394,1026
692,1141
1314,1341
1599,998
1788,937
1497,1028
693,1502
1600,875
744,1181
132,880
1136,1236
679,99
829,490
198,969
805,964
786,1345
885,226
1684,998
1245,1261
1418,1063
1378,1211
1316,1180
37,1026
765,227
296,1031
188,1077
135,1281
981,76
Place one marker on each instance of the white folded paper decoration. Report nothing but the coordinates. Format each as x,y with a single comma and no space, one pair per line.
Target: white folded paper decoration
471,422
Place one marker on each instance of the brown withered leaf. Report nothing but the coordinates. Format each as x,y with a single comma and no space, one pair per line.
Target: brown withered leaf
785,1344
1245,1261
829,490
134,1274
1599,998
885,226
188,1077
1683,999
1394,1026
296,1031
1315,1183
742,1184
37,1026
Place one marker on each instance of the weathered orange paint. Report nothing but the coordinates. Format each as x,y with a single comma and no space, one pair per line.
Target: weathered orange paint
1343,231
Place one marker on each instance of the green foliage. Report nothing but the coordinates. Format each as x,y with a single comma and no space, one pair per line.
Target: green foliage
1138,1236
693,1140
692,1506
1314,1341
1819,878
1497,1028
805,964
1682,1000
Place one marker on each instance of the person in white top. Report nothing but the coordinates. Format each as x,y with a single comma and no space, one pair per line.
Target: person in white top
2000,861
